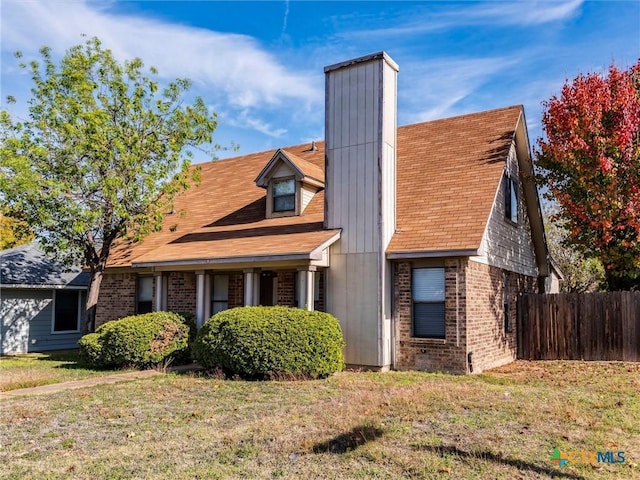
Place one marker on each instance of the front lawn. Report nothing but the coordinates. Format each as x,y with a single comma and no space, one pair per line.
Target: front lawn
504,424
35,369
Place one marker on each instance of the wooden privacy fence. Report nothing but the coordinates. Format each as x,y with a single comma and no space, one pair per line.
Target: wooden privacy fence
579,326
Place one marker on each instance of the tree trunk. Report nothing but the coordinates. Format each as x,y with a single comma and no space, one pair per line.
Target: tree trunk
92,300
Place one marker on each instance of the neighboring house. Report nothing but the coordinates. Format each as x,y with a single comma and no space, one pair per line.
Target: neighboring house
418,239
41,302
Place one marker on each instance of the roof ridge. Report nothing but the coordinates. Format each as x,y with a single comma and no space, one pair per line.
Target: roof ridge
464,115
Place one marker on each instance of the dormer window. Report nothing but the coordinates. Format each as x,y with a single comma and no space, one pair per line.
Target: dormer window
291,183
284,195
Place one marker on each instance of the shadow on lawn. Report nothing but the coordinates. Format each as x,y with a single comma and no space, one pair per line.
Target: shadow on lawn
492,457
71,359
348,441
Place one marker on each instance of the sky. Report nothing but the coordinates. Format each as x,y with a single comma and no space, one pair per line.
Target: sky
259,65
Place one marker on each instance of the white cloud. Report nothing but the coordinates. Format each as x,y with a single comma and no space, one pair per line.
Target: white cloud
232,65
245,119
426,93
526,13
427,20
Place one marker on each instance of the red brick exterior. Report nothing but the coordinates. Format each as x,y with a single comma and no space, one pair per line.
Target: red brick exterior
488,341
286,288
475,337
431,354
236,290
117,297
181,292
319,304
118,293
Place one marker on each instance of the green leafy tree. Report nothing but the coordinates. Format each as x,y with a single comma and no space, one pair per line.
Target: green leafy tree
590,163
103,152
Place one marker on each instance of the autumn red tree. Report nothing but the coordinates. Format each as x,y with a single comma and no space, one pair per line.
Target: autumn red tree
589,161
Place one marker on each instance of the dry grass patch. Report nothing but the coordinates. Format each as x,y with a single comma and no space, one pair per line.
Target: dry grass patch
503,424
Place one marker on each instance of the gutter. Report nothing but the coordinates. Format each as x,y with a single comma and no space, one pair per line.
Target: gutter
432,254
28,286
315,254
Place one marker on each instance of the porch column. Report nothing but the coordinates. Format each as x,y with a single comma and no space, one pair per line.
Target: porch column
256,286
161,292
207,297
200,299
249,287
306,287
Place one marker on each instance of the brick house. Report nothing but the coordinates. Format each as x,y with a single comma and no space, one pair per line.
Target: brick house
418,238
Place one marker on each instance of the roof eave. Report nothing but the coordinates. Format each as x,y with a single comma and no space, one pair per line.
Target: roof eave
532,200
42,286
314,254
431,254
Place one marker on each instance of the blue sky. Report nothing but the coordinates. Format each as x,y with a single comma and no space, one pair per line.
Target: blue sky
260,64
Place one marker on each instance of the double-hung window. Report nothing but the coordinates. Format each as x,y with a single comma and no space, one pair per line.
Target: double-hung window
284,195
145,295
427,294
67,311
220,294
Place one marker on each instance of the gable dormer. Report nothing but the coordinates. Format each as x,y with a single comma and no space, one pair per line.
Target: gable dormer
291,182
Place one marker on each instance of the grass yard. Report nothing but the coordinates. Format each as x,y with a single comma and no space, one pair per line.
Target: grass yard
504,424
35,369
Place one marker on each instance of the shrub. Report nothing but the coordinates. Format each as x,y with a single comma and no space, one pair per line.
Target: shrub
267,342
185,355
139,340
90,349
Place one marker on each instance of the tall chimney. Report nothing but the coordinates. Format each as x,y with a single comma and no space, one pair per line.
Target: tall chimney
360,199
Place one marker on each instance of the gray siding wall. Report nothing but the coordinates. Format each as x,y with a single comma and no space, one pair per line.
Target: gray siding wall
506,245
360,200
27,317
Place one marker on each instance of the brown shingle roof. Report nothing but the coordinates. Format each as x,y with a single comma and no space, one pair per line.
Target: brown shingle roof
307,168
447,176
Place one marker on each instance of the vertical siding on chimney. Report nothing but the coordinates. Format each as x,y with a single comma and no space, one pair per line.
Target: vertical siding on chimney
360,199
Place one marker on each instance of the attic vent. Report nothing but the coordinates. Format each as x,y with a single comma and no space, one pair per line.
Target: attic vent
313,147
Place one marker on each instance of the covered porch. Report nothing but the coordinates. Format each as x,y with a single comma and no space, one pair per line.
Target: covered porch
207,292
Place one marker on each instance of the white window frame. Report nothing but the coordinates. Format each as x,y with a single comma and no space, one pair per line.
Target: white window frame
511,199
433,302
138,279
274,196
213,292
53,313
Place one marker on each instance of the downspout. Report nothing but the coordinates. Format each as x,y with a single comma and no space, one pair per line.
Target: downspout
393,315
457,303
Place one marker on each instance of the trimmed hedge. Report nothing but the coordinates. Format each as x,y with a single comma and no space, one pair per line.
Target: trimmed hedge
139,340
271,342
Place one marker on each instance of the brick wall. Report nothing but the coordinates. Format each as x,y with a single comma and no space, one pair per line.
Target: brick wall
181,292
286,288
319,304
474,319
431,354
117,297
488,341
236,290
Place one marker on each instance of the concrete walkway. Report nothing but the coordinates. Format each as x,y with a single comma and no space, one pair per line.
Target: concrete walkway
93,381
